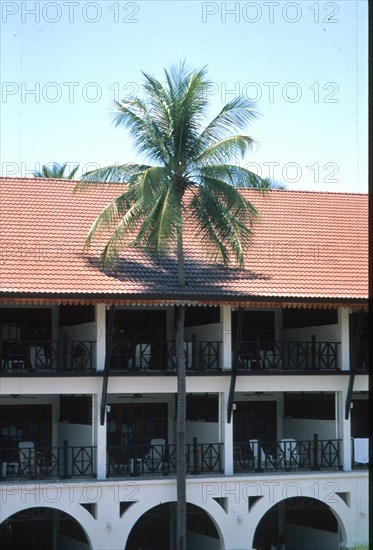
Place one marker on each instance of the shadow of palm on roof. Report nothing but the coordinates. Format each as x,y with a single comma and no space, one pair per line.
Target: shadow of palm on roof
152,274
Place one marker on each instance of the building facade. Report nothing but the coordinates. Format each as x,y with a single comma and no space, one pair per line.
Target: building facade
277,381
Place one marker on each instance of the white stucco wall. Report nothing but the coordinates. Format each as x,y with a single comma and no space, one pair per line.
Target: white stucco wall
323,333
236,524
205,432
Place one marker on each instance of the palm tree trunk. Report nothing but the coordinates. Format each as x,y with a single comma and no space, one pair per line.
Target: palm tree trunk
180,432
181,410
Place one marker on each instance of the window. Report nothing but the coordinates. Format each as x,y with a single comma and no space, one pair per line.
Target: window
76,409
76,315
295,318
203,408
26,423
319,406
136,424
360,418
257,325
197,316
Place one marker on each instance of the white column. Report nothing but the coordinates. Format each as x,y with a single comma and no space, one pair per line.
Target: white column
100,319
344,335
344,430
99,437
226,328
227,434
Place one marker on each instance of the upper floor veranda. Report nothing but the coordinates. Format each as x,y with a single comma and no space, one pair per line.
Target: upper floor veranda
76,340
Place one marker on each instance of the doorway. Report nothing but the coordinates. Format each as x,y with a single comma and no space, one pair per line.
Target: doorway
137,423
255,420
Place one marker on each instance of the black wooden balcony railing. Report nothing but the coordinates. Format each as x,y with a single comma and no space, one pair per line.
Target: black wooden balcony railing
74,462
135,460
287,455
160,355
46,355
63,462
311,355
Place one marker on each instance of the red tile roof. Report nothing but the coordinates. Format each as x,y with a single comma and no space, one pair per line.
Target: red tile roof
308,246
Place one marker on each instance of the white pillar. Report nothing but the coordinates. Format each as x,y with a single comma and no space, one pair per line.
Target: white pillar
226,327
227,434
344,335
100,319
344,430
99,437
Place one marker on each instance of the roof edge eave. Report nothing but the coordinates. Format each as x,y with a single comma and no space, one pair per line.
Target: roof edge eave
167,299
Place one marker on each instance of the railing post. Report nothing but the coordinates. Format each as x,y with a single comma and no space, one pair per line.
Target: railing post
315,461
65,457
336,358
220,448
135,465
339,455
64,352
187,454
195,456
165,462
90,355
218,366
194,351
259,467
313,352
258,352
285,354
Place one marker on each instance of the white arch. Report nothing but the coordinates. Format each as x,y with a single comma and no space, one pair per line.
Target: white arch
339,509
211,508
80,514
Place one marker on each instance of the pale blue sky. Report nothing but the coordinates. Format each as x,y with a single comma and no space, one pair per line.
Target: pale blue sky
304,64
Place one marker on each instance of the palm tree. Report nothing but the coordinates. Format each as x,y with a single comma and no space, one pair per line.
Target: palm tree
56,171
186,166
273,184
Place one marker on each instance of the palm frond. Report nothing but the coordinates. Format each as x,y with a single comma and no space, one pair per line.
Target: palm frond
108,218
235,175
159,228
159,103
231,231
231,197
117,173
271,184
223,150
56,171
235,115
148,137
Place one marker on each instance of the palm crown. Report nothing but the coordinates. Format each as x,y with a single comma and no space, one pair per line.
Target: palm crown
185,155
56,171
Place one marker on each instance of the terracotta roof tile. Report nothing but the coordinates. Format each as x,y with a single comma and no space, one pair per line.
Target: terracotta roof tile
307,245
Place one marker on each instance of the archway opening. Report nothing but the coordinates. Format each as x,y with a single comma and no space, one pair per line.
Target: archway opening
298,523
44,529
156,529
